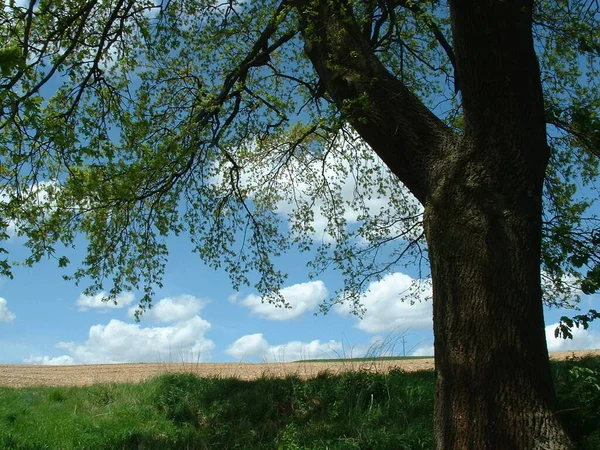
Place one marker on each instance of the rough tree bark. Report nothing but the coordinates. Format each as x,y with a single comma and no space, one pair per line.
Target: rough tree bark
482,193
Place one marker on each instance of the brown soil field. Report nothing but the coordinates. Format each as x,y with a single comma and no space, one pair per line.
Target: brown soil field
82,375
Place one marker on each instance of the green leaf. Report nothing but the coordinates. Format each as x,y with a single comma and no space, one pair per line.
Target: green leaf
11,58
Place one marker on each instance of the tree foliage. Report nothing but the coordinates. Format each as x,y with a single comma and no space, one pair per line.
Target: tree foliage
129,121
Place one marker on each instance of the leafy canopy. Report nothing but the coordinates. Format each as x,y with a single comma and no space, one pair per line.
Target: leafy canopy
127,121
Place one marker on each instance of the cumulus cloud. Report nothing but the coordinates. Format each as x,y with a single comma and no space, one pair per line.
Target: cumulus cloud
423,350
248,346
47,361
173,309
256,347
357,182
85,302
5,314
394,303
120,342
350,191
582,340
39,194
302,298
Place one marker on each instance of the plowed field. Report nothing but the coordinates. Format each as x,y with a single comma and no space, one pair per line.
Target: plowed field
81,375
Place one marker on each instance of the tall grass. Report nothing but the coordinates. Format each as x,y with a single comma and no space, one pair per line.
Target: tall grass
355,410
577,384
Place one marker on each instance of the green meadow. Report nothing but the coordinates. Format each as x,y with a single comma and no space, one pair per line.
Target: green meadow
354,410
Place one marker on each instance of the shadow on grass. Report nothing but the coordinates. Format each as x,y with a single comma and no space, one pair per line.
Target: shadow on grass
354,410
348,411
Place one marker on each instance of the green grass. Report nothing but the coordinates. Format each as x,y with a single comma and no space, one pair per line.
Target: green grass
348,411
577,384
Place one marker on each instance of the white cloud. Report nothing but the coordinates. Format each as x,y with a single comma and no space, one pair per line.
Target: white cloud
120,342
173,309
256,347
297,350
86,302
302,298
38,194
47,361
11,230
351,181
376,204
394,303
423,350
248,346
5,314
582,340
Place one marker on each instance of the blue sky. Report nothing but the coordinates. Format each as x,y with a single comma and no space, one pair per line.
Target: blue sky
198,317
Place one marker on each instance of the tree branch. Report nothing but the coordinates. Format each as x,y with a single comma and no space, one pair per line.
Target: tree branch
437,32
393,121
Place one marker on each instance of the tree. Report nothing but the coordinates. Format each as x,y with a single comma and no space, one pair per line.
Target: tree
127,121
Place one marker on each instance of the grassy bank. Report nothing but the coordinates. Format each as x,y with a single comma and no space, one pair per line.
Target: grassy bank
346,411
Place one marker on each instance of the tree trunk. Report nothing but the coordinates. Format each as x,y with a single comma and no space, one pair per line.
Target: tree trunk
483,225
482,193
493,385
